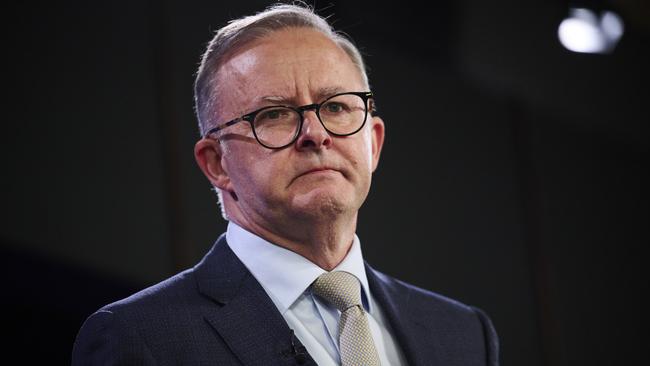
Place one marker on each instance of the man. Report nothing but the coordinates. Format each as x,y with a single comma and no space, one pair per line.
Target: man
290,143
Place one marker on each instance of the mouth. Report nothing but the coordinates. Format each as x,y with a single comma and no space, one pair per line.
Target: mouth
318,171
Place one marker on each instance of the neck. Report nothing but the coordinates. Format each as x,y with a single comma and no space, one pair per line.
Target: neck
323,242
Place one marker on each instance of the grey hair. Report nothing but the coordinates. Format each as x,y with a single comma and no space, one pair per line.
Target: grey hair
240,32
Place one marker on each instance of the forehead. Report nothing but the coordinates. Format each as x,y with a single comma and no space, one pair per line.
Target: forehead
294,63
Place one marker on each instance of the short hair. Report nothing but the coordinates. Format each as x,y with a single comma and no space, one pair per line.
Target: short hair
241,32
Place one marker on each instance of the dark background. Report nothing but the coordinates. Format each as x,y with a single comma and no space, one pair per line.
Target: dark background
514,174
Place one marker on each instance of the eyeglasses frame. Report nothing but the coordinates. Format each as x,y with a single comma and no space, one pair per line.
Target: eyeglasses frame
250,117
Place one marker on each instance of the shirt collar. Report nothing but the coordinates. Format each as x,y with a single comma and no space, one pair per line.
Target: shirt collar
284,274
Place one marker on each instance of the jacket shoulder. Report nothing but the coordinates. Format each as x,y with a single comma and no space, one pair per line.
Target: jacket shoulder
462,329
168,294
137,328
418,297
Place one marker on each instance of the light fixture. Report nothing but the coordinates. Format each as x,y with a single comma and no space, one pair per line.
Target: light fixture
588,32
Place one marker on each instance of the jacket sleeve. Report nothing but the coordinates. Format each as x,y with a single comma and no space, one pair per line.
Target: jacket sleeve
491,338
105,339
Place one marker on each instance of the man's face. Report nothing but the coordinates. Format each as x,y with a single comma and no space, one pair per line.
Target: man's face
319,175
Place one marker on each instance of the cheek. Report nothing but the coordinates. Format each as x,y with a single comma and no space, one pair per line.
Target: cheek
359,156
365,149
237,164
254,172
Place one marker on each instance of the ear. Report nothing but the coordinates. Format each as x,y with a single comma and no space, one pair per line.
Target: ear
377,133
209,156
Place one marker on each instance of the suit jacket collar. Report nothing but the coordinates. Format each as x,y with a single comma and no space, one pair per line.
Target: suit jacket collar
246,318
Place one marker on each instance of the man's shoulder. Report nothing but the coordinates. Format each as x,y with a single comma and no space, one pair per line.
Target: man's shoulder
157,323
165,303
165,293
420,300
180,291
465,328
423,315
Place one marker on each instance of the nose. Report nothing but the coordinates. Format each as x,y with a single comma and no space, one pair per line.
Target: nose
313,135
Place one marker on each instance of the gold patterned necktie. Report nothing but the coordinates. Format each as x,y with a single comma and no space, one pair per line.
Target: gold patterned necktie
342,290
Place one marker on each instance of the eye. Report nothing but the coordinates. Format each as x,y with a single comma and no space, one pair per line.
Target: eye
334,107
274,114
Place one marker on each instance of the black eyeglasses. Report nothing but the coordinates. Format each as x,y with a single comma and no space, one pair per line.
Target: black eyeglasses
275,127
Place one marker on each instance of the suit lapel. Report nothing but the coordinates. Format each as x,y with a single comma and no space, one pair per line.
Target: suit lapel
247,319
413,336
256,332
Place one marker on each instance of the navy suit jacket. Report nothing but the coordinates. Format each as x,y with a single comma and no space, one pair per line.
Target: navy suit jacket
216,313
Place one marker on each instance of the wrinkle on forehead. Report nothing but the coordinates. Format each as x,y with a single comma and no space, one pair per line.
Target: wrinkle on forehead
320,94
292,65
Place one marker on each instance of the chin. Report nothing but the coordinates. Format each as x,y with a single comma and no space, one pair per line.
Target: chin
322,205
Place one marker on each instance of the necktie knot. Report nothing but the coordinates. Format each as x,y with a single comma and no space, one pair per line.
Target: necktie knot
340,289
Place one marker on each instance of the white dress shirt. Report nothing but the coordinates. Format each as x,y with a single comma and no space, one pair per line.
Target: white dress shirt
286,277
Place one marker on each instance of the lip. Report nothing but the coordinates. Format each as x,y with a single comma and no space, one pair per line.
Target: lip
319,170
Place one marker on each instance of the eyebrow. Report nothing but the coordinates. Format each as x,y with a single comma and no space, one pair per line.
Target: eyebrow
320,94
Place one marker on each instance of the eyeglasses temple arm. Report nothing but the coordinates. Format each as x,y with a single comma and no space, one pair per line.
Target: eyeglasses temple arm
221,127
